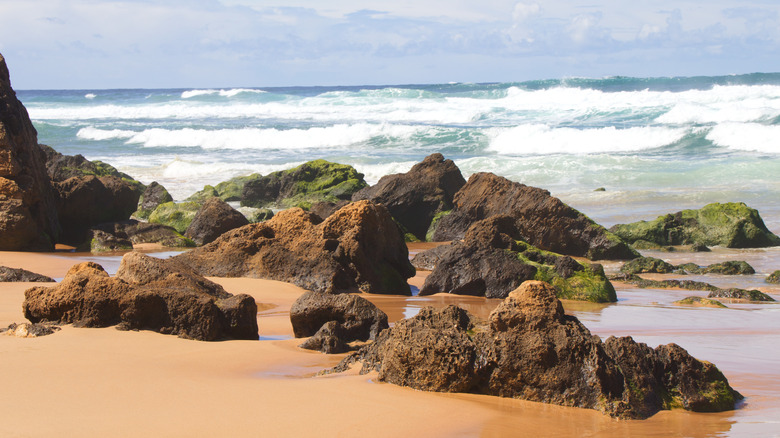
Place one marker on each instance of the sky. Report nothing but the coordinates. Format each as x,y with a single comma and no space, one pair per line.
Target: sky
95,44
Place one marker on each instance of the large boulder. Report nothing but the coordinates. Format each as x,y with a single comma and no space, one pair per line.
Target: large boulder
530,349
415,198
357,249
18,274
733,225
311,182
28,208
227,191
355,318
541,219
89,200
144,232
154,195
61,167
176,215
213,219
146,294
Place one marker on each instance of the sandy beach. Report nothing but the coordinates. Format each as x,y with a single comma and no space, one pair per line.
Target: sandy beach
105,382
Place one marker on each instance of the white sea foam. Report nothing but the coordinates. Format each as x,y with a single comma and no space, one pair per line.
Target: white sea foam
535,139
747,137
90,96
92,133
224,93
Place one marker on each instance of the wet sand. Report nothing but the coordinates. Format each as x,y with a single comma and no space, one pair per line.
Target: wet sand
105,382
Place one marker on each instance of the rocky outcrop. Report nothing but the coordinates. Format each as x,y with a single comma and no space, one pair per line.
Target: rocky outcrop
22,275
733,225
357,249
540,219
88,201
28,209
740,294
144,232
146,294
325,209
773,278
491,262
213,219
178,216
700,302
61,167
643,265
333,321
228,191
154,195
530,349
415,198
428,259
101,241
311,182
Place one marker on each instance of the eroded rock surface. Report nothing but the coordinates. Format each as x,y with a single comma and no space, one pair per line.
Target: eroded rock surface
212,220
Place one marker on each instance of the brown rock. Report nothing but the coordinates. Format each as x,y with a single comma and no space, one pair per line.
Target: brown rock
540,219
213,219
358,318
15,274
28,215
144,232
358,248
146,294
414,198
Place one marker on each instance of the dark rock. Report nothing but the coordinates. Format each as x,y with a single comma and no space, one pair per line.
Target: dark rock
358,248
144,232
329,339
416,197
566,266
179,216
529,349
740,294
357,318
28,203
261,215
22,275
89,201
154,195
539,219
101,241
773,278
737,267
643,265
699,301
212,220
314,181
27,330
228,191
700,247
146,294
325,209
428,259
733,225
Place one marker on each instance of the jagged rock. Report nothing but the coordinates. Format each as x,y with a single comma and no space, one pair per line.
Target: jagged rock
213,219
740,294
416,197
22,275
311,182
154,195
28,203
643,265
146,294
358,248
179,216
329,339
530,349
428,259
62,167
27,330
101,241
143,232
540,219
325,209
733,225
88,201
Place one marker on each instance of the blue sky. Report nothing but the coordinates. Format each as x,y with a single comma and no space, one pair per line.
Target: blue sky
233,43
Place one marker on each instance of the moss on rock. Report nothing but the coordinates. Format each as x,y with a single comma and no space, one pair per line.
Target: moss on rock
179,216
699,301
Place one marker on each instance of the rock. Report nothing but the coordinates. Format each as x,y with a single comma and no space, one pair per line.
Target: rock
740,294
643,265
700,247
22,275
311,182
415,198
664,284
530,349
737,267
213,219
358,319
228,191
329,339
154,195
773,278
260,215
101,241
325,209
143,232
358,248
179,216
26,330
28,203
146,294
699,301
733,225
89,201
428,259
62,167
540,219
491,262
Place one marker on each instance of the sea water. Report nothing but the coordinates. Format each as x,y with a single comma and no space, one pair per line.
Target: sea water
656,145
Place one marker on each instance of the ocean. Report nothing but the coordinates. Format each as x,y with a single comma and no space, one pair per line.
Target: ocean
656,145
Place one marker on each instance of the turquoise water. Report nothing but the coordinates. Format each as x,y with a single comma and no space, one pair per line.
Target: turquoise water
655,144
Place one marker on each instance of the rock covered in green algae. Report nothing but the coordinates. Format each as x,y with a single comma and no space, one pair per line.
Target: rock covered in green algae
699,301
773,278
311,182
652,265
176,215
154,195
228,191
740,294
643,265
733,225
